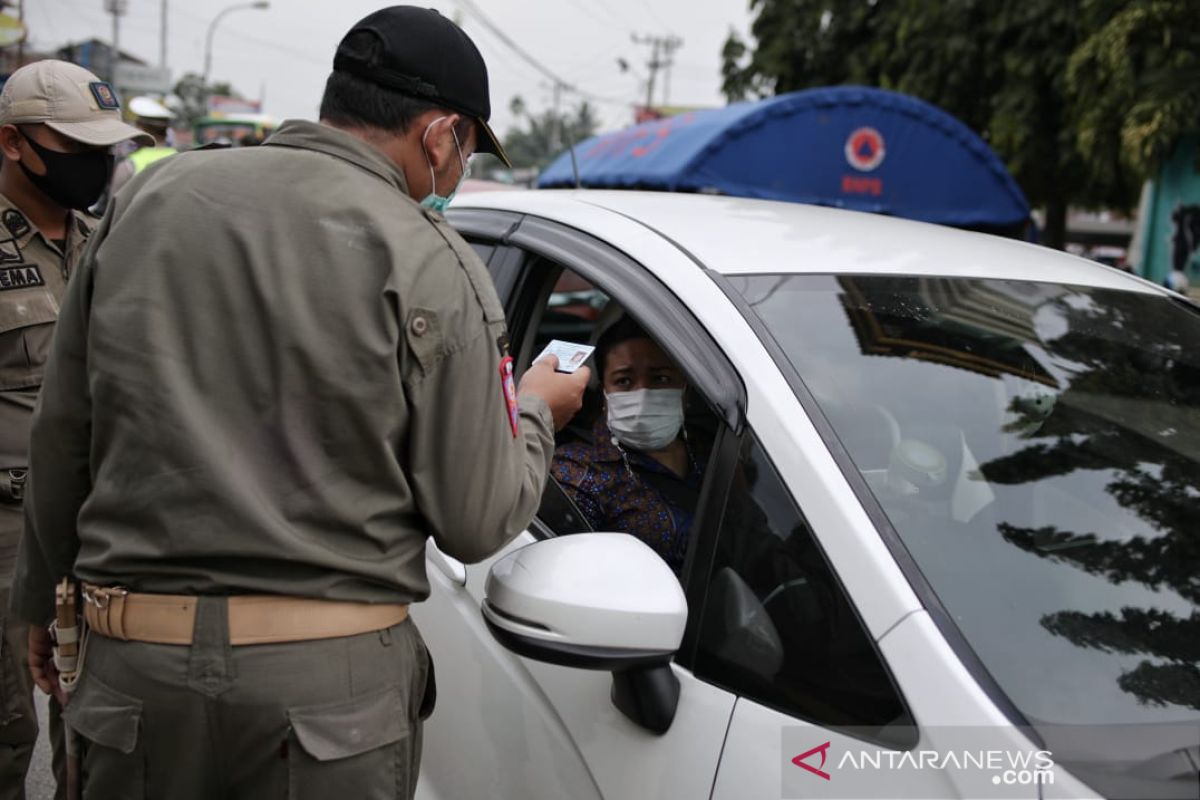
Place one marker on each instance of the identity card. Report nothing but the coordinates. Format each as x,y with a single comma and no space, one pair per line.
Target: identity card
570,355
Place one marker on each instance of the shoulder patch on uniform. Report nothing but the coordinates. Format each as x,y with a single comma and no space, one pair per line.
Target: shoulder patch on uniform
21,276
15,222
106,98
10,252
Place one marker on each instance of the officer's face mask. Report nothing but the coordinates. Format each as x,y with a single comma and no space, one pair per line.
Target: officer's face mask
433,200
72,180
645,419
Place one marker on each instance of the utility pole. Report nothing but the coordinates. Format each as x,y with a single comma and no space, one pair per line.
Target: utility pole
661,50
116,8
21,44
558,136
670,45
162,36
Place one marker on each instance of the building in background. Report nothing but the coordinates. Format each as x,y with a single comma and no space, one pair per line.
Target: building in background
1168,236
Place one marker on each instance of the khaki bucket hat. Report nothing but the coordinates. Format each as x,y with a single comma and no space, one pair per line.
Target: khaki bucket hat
66,98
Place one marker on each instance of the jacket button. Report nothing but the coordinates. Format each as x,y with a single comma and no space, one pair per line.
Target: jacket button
419,326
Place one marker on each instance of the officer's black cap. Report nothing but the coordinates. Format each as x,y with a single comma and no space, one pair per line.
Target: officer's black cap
420,53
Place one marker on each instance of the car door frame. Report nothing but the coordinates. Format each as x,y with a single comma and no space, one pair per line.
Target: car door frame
663,315
526,246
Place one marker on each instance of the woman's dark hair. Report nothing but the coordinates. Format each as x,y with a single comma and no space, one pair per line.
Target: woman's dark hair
622,330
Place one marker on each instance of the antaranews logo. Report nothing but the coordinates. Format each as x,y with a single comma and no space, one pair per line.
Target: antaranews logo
823,749
989,763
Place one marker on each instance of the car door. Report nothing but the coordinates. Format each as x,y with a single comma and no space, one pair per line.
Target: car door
810,620
512,727
779,630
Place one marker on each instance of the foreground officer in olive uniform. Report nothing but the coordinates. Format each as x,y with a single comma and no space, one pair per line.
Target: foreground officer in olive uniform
57,123
276,376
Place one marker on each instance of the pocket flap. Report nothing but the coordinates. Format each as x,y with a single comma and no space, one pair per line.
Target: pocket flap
330,732
34,308
103,715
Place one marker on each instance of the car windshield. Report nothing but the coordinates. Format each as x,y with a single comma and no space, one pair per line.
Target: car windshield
1037,449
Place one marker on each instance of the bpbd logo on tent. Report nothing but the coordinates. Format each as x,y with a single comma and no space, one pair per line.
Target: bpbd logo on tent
865,151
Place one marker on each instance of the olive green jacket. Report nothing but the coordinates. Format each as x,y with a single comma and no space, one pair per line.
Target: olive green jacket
275,373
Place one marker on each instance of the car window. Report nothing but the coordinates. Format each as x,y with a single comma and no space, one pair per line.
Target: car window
777,626
602,482
1035,448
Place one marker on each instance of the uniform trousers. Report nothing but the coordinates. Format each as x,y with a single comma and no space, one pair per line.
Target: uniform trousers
331,718
18,716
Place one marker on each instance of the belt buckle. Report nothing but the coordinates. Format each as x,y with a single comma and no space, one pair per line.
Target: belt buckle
16,483
100,596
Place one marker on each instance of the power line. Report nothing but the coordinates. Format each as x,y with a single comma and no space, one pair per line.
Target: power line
494,29
587,10
621,20
657,18
470,6
662,48
293,52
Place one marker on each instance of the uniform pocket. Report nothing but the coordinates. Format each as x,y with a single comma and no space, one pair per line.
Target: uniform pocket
425,339
348,749
110,724
26,327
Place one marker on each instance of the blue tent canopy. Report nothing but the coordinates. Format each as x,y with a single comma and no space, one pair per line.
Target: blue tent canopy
847,146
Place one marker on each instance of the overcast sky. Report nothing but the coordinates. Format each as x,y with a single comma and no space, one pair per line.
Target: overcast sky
285,52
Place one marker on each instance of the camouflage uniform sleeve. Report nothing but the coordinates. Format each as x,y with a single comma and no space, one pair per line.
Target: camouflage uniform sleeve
477,466
59,471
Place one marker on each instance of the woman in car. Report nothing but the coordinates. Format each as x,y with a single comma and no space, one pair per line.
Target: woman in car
639,474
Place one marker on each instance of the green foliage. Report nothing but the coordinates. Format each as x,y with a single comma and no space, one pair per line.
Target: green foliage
193,97
1081,100
547,134
1136,80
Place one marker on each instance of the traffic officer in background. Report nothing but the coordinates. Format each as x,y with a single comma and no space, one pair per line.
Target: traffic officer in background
154,119
277,374
57,125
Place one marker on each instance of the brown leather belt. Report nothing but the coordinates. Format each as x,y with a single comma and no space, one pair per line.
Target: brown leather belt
253,619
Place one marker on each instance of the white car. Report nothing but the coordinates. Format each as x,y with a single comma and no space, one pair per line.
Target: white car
947,543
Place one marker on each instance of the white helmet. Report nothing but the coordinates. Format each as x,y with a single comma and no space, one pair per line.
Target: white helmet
148,108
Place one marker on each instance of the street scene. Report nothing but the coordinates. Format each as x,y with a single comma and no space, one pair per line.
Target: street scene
605,399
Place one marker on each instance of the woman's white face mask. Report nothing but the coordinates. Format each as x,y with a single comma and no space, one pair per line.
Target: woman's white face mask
645,419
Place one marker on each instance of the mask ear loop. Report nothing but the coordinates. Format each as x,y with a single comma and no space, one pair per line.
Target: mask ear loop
462,162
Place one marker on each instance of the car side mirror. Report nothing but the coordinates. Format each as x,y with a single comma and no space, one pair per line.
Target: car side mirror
600,601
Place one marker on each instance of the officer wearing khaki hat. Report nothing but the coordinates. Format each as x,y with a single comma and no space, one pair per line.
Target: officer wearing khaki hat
57,123
277,375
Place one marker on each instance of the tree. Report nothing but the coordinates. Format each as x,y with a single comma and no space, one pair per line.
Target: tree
547,134
1151,469
1010,71
1136,81
193,97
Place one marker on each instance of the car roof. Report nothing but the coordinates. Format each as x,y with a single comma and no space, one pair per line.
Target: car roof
734,235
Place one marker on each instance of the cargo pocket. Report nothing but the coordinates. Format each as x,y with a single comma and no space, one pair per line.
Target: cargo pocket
109,722
350,749
26,328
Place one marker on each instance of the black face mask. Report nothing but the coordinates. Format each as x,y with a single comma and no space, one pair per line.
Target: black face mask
72,180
